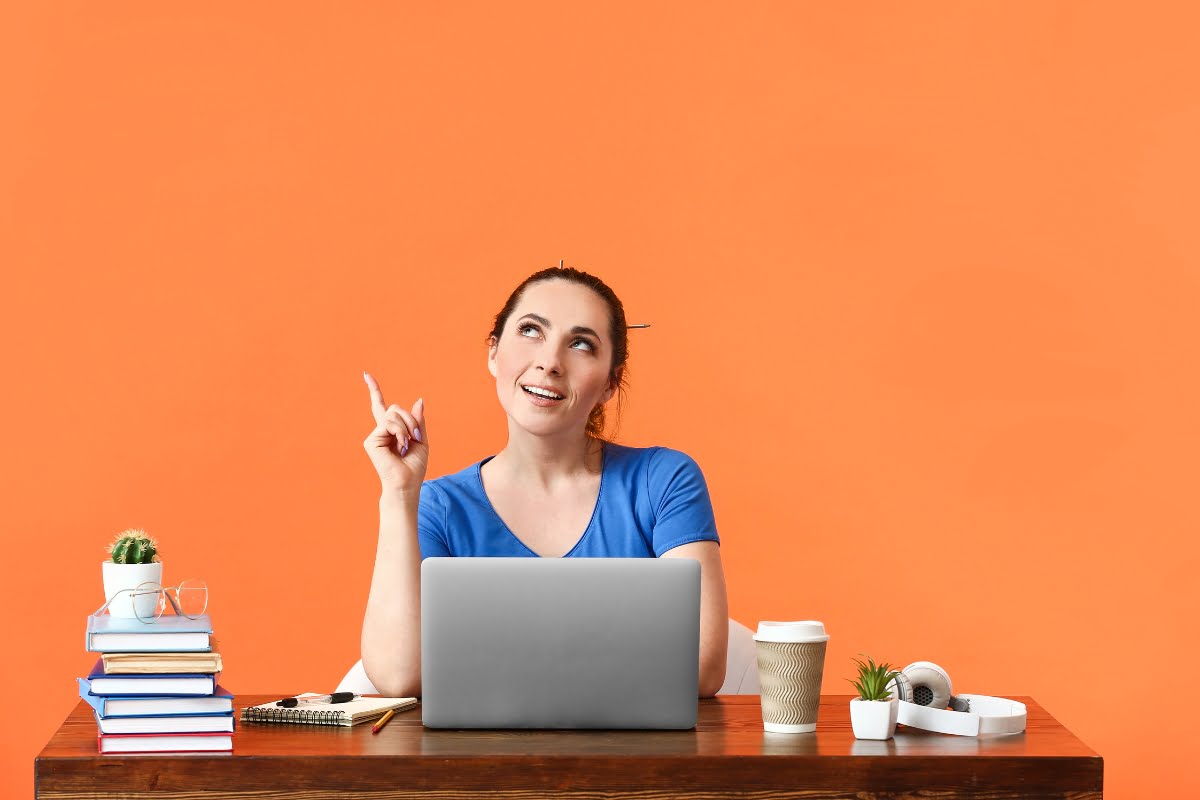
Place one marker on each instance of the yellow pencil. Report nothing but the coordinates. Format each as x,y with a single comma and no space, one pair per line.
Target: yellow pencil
378,726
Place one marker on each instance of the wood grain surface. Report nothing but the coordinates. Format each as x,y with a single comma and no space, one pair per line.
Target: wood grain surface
728,754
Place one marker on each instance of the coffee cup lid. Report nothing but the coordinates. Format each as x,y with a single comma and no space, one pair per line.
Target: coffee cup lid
809,630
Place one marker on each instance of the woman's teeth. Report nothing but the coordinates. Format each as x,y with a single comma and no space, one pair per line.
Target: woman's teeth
542,392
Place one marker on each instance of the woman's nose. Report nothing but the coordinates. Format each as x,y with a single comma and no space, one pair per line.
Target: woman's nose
548,361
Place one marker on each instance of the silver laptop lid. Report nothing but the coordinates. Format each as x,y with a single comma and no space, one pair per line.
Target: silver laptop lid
560,642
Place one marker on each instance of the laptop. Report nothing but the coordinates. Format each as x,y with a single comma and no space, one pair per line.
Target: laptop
560,642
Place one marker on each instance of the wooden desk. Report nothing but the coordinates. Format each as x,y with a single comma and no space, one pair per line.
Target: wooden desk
727,755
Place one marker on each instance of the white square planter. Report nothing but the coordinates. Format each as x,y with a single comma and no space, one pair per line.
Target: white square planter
873,719
118,577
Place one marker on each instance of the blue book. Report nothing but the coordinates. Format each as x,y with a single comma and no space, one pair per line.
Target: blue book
219,702
170,632
165,684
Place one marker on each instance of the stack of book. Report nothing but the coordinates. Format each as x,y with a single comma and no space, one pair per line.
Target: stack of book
154,688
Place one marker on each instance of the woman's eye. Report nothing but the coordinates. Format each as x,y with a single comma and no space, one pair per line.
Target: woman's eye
524,330
586,344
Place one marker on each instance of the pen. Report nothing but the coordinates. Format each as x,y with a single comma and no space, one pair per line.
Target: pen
336,697
378,726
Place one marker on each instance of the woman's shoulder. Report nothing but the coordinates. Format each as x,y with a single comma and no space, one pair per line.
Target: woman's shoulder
455,484
667,478
655,459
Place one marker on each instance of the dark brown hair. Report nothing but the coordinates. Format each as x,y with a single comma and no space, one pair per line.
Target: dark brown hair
616,329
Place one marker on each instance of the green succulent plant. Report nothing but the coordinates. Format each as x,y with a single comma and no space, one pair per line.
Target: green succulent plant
873,679
133,546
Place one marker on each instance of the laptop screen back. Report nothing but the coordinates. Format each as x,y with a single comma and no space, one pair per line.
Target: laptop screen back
560,643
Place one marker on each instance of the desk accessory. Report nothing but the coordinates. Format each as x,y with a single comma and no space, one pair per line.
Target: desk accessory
927,701
336,697
134,560
873,712
791,663
346,714
384,720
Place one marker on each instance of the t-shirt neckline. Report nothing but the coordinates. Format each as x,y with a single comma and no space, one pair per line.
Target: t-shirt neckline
591,520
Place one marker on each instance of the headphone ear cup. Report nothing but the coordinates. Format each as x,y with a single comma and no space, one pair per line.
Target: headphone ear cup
928,685
900,688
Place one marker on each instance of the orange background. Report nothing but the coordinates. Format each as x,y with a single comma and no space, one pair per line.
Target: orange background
922,279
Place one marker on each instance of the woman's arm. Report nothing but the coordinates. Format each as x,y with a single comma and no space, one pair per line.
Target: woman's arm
714,612
391,635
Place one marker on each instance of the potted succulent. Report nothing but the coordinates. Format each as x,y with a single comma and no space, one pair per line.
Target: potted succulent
873,712
134,561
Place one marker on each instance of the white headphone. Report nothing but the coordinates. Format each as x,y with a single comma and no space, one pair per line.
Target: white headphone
927,701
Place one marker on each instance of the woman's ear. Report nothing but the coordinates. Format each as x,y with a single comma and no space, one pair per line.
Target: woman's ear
613,385
492,355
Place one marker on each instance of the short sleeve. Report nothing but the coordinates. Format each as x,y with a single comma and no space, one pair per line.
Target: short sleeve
431,522
683,510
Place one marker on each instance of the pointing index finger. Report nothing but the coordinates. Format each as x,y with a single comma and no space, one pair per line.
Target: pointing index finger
377,406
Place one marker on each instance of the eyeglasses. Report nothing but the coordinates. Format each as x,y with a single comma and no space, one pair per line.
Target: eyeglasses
149,600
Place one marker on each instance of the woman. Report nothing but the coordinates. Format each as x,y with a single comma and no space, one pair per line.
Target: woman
558,354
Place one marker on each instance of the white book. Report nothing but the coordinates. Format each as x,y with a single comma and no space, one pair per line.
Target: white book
219,702
142,706
108,634
216,723
165,743
159,685
119,642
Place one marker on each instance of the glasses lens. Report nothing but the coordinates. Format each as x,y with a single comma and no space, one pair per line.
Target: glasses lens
148,601
193,597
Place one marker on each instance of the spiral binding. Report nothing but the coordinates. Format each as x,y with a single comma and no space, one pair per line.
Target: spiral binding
310,716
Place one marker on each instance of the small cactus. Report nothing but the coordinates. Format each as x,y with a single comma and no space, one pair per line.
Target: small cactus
133,546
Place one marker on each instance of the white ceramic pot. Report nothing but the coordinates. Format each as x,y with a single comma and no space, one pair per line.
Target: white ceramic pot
873,719
128,576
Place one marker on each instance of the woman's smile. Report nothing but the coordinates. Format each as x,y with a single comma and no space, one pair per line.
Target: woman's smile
542,396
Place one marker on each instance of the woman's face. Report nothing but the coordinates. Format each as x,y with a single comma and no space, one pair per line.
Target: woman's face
553,358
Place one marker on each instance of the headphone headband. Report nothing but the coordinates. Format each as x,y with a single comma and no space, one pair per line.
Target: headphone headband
924,691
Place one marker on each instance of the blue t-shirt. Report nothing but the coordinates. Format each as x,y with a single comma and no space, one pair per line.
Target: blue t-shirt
651,500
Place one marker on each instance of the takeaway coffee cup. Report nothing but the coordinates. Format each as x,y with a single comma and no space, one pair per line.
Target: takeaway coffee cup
791,660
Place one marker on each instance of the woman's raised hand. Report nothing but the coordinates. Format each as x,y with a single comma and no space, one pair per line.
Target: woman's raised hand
399,445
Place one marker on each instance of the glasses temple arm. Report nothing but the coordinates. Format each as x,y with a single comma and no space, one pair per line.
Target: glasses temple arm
171,600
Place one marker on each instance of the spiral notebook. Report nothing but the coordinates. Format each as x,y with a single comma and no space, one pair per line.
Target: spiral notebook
363,709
